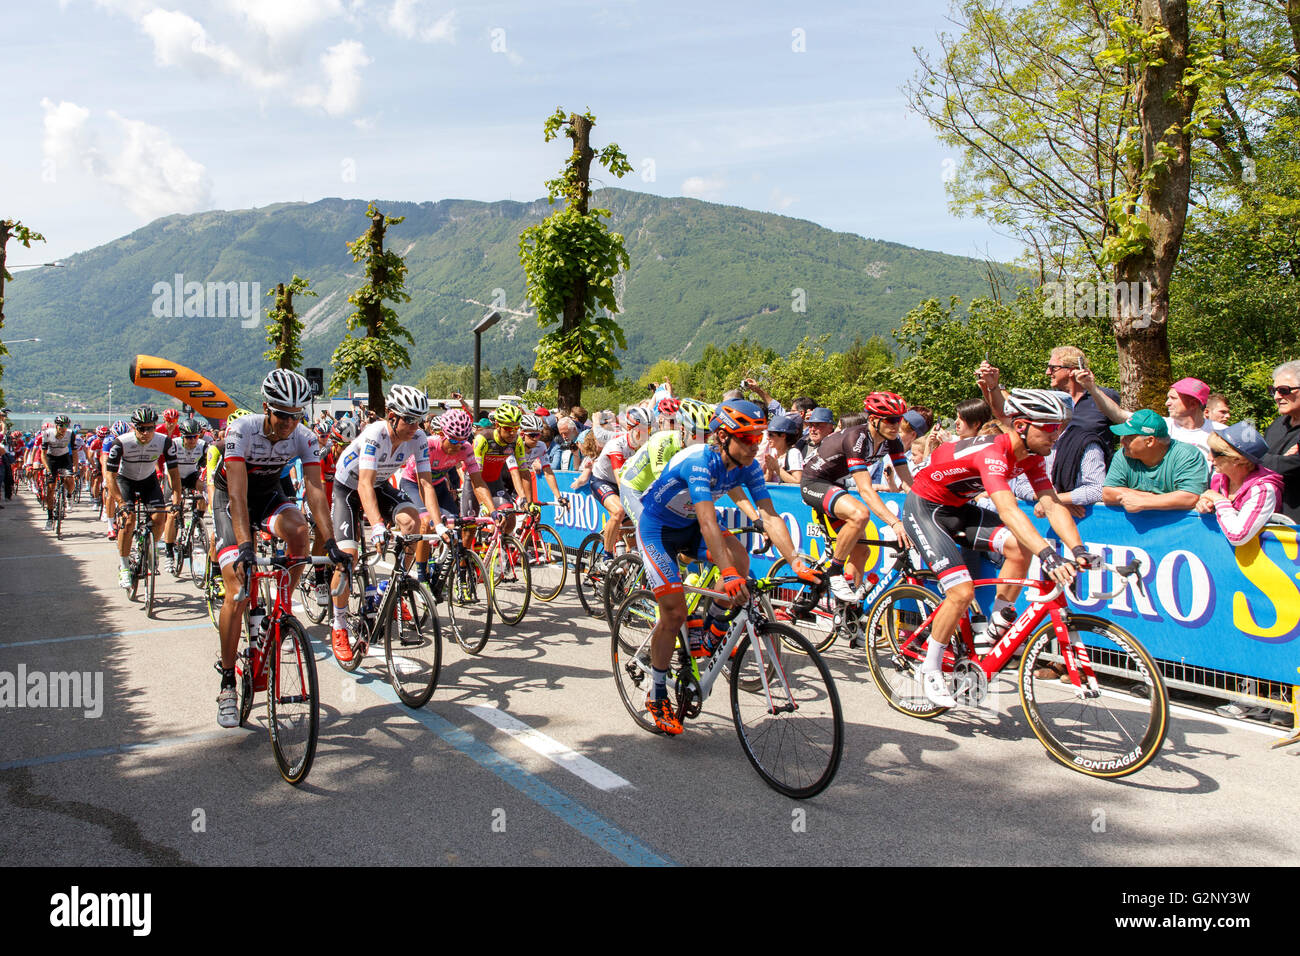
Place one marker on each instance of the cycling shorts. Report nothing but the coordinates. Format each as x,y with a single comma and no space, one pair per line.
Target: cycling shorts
262,510
660,545
934,528
602,489
61,462
446,499
502,491
346,513
142,489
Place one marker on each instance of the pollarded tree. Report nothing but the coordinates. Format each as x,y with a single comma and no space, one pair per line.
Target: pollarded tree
570,261
10,229
284,328
378,351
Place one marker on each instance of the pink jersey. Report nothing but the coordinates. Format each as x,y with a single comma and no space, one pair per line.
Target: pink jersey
443,458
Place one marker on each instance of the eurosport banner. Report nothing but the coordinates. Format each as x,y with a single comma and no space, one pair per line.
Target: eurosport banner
179,382
1206,604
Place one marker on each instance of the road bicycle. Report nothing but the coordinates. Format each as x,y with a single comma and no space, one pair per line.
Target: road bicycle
1103,728
192,543
508,569
60,499
142,556
458,580
399,611
592,564
542,546
784,706
277,659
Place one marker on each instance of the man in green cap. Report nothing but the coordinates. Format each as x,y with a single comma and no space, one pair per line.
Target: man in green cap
1155,473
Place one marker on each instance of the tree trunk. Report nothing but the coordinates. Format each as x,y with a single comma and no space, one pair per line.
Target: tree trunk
284,305
1141,309
570,387
375,314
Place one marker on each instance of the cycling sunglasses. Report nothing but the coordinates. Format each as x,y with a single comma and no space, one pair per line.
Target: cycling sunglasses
1048,428
531,434
283,415
755,439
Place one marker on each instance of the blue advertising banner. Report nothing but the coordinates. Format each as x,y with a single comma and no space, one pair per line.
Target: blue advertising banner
1206,603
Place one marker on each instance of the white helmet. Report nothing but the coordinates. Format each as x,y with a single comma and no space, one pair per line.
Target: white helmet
345,430
1039,405
286,389
407,402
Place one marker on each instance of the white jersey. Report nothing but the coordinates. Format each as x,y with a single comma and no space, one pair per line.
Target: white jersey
613,456
56,447
374,451
188,460
265,459
131,458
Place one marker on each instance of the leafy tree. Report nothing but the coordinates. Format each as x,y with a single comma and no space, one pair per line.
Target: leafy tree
284,328
379,350
570,262
443,378
10,229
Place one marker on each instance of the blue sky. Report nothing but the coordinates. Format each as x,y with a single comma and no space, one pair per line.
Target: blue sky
120,111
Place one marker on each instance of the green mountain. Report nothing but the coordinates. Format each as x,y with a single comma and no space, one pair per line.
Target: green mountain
700,273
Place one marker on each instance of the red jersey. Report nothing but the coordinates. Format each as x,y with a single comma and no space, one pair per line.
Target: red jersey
958,471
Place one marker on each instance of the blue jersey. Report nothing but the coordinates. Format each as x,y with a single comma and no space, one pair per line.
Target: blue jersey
698,474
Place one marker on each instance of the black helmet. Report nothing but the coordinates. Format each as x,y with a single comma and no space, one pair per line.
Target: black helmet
62,421
144,415
191,427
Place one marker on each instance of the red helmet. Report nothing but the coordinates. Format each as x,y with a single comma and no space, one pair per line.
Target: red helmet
884,404
171,416
669,406
740,417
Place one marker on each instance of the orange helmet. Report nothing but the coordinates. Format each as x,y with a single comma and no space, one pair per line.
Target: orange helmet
740,417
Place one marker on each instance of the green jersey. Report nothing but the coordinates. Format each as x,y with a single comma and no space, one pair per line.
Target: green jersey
644,467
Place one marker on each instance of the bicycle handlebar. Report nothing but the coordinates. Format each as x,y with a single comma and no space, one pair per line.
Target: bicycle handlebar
286,564
1125,571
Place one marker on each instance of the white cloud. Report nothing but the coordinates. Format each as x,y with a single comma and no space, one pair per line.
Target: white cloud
153,176
342,64
405,18
698,187
781,201
281,19
180,40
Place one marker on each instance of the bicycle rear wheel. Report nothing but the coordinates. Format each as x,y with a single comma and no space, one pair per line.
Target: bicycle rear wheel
413,643
510,579
469,602
792,730
895,649
630,656
547,562
1106,731
292,704
358,620
307,597
590,581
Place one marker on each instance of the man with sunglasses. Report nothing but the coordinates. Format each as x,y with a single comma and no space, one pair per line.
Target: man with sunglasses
940,507
132,461
60,446
1283,436
852,453
247,493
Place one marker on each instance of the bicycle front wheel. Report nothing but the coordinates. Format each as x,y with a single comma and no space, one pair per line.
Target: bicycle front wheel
791,728
808,608
629,647
149,571
546,562
510,579
292,704
196,553
469,602
624,576
413,643
1114,724
214,591
896,648
588,579
307,597
358,619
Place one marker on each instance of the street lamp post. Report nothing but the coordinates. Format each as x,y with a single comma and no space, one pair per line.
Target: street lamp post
110,399
489,320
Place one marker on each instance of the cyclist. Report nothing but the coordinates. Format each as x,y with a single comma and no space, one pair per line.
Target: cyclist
604,473
537,461
650,459
940,506
499,452
190,451
679,515
851,453
59,445
247,494
132,462
362,487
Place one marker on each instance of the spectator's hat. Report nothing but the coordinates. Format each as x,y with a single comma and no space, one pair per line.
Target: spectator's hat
483,423
1192,388
917,421
1247,440
786,425
543,412
1143,422
820,416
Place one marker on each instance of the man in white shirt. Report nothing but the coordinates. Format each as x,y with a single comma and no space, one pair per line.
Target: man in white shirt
1186,419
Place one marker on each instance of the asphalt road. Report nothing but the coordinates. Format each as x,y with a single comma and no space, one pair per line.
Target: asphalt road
525,755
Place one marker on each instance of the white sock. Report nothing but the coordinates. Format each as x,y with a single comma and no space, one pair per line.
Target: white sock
933,655
340,617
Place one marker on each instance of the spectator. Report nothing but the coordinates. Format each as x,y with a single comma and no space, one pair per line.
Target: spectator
784,462
1155,473
606,426
565,455
1186,419
802,405
1243,495
820,422
579,416
1216,409
1283,436
916,423
972,415
590,449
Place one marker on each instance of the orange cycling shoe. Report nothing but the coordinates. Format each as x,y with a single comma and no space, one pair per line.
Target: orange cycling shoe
662,712
342,644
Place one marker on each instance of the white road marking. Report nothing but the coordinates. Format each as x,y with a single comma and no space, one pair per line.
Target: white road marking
554,751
